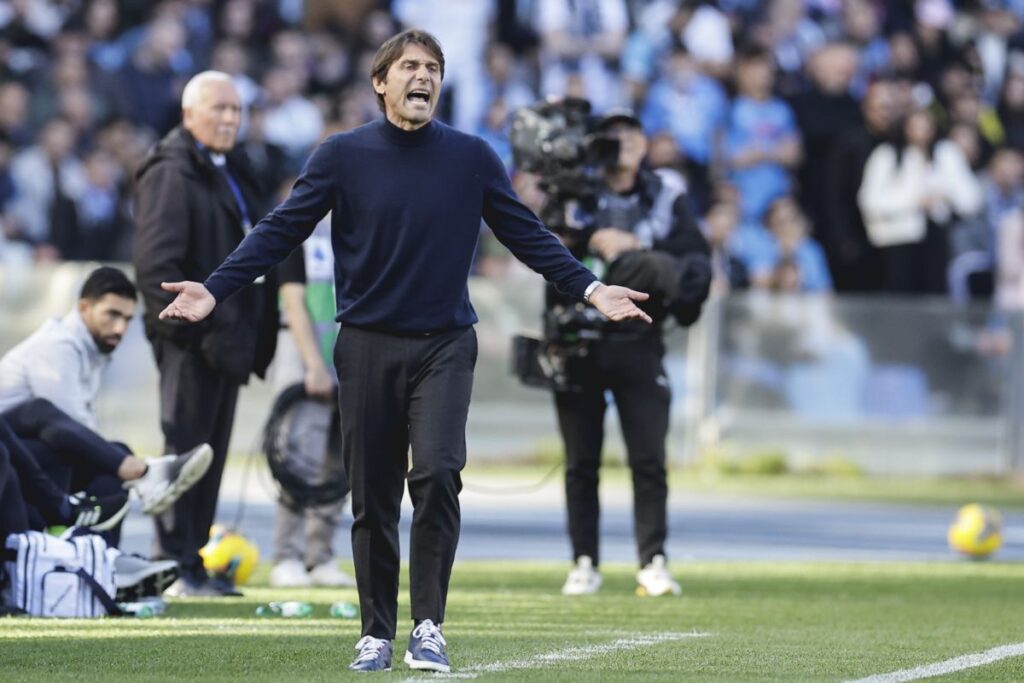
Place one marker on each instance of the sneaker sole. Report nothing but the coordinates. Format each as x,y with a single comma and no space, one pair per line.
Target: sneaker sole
420,665
289,584
114,520
191,472
588,590
643,592
332,584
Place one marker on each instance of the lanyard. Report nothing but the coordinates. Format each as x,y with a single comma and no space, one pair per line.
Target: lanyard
236,192
246,222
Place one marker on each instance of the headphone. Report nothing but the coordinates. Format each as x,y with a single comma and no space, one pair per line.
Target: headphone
296,490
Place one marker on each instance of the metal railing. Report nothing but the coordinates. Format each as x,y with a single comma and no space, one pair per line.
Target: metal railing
890,384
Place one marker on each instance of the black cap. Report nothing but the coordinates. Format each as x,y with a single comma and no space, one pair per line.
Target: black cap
619,115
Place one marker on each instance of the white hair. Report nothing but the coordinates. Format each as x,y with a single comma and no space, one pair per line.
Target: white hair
194,88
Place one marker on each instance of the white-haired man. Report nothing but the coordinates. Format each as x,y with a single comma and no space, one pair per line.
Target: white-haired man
195,200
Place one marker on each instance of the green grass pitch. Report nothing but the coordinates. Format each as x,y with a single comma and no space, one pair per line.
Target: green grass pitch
507,621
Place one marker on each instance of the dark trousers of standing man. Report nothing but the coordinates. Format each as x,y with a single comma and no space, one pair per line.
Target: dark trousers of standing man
632,370
396,392
197,405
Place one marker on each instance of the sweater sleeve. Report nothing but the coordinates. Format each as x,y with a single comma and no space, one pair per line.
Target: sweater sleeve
282,230
962,186
521,231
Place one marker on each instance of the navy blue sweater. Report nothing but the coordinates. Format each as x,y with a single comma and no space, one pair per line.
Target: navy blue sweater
406,209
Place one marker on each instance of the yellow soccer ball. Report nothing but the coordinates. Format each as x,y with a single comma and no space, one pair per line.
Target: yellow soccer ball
977,531
229,554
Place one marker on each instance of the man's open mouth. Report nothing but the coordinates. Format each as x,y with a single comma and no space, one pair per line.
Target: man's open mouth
418,96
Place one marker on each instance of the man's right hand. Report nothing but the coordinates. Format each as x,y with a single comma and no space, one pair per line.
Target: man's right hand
193,303
319,383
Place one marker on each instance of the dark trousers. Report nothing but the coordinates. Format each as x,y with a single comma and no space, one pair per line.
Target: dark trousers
72,456
197,405
80,475
917,267
33,483
13,510
632,371
396,392
40,420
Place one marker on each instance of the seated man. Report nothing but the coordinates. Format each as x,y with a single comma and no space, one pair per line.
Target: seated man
48,386
30,500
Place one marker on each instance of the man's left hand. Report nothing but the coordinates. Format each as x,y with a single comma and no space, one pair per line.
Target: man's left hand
616,303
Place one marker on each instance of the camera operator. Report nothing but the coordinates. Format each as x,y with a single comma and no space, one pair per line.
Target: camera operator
642,229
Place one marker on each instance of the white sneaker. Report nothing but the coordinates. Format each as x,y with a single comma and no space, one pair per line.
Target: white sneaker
583,579
330,574
655,579
289,574
169,476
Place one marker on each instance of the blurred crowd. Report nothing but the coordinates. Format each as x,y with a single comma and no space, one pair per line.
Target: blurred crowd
848,145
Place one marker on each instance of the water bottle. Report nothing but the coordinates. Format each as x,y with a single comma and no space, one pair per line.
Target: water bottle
144,608
139,610
287,609
344,610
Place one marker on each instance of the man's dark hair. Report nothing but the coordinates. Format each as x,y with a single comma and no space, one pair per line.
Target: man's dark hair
751,52
106,280
392,49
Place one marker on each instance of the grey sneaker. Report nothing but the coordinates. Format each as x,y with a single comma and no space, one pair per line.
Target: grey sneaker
428,650
169,476
136,577
374,655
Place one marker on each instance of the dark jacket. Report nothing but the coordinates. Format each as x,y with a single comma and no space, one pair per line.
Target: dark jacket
854,262
187,222
675,270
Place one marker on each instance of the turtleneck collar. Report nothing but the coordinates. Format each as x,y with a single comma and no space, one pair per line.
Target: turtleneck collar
408,138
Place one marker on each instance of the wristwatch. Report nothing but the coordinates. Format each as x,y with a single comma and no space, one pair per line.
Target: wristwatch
591,288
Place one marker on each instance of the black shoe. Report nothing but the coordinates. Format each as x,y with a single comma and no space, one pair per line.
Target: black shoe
97,514
223,587
191,586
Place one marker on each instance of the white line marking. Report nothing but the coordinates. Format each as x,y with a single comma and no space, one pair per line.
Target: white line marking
948,666
570,654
